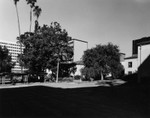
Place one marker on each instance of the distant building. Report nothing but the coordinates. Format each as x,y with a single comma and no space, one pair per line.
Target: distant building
79,66
140,52
79,46
122,57
130,64
14,50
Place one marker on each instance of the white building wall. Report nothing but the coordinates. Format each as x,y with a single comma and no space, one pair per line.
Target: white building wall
144,62
79,48
79,67
143,53
134,67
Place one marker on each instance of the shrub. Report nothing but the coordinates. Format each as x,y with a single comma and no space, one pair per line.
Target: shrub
67,79
77,77
14,81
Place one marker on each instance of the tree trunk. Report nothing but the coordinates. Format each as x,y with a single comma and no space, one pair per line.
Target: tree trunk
57,71
30,19
102,78
19,31
18,20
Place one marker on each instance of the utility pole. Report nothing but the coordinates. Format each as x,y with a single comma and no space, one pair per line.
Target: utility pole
57,70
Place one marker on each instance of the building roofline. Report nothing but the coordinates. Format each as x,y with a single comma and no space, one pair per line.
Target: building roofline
122,53
143,43
131,57
79,62
9,41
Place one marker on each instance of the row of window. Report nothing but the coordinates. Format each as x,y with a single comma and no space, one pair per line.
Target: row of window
18,47
17,67
14,59
14,54
14,50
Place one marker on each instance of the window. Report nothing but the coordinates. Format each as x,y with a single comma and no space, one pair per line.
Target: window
130,64
129,72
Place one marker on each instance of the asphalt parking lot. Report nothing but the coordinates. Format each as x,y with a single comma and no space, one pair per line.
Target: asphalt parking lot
104,102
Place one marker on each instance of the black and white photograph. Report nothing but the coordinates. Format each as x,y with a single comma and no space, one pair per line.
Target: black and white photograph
74,58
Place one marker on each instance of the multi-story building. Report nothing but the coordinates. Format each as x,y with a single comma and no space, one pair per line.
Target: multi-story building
14,50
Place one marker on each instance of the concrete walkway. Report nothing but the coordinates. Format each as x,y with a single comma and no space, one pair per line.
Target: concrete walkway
65,85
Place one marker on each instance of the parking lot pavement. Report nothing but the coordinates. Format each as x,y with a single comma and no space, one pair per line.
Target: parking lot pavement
40,100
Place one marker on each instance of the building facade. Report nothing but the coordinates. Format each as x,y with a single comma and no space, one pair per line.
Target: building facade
79,66
131,64
144,60
140,53
143,52
14,50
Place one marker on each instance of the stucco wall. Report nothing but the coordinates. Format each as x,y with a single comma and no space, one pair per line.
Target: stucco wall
134,67
144,61
79,67
143,53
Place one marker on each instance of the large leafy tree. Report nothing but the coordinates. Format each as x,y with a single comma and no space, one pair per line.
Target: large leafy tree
45,47
102,60
5,60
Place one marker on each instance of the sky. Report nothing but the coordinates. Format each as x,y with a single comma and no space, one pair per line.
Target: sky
94,21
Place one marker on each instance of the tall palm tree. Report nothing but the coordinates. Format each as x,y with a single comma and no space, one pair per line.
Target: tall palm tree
37,12
15,2
32,4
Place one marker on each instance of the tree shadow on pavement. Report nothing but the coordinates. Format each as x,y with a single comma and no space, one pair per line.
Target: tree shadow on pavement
123,101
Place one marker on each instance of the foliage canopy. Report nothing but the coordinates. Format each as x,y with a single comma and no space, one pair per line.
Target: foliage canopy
45,47
102,60
6,63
